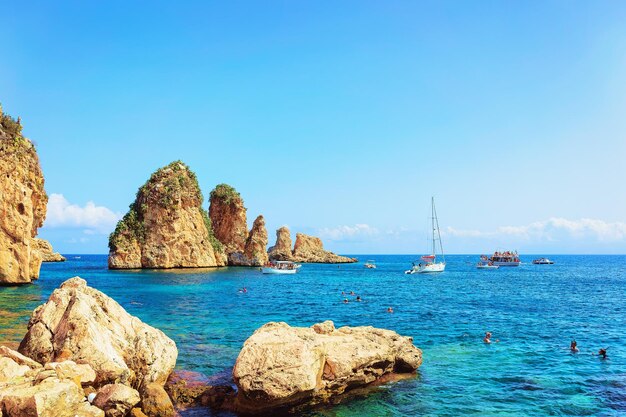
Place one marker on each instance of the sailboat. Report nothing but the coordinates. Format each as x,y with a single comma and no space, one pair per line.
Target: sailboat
428,263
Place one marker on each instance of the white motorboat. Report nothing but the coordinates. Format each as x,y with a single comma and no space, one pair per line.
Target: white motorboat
370,264
428,263
488,265
281,267
543,261
507,258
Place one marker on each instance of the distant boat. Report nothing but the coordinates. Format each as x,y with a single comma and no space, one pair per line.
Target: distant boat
488,265
543,261
507,258
429,263
370,264
281,267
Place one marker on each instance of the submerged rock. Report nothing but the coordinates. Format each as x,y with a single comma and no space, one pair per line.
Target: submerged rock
22,204
46,252
282,366
166,226
82,324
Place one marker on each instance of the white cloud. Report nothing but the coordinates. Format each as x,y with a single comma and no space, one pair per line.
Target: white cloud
553,229
95,219
347,232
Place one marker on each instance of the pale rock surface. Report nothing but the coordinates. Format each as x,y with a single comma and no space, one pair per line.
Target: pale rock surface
81,324
282,366
22,204
47,254
166,226
116,399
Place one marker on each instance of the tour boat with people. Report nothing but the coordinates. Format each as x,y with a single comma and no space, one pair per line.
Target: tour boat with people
543,261
428,263
506,258
281,267
370,264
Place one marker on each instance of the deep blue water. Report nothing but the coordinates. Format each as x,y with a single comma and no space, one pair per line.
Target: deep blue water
534,310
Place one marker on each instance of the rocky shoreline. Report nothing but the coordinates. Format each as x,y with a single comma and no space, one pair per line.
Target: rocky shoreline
84,355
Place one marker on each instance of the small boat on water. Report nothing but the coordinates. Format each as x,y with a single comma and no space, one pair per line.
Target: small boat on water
543,261
370,264
507,258
429,263
486,265
281,267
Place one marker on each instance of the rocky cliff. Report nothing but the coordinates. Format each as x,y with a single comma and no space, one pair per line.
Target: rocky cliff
47,254
280,366
281,251
166,226
228,218
22,204
307,249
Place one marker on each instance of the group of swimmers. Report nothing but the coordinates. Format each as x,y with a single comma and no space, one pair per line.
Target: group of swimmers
358,299
573,346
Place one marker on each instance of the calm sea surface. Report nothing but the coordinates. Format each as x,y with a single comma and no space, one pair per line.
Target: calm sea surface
534,310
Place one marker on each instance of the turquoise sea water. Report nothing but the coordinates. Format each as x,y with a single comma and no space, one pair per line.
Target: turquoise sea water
534,310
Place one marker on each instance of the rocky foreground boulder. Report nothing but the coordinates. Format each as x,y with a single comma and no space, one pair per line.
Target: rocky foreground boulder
228,218
166,226
281,366
307,249
82,325
22,204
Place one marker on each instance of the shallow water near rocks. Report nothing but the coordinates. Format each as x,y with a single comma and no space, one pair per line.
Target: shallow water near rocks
534,310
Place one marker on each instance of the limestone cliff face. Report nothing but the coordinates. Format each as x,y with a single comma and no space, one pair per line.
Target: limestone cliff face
228,218
166,226
281,251
22,204
47,254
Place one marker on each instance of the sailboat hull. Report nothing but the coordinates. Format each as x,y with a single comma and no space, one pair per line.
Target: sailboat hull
426,269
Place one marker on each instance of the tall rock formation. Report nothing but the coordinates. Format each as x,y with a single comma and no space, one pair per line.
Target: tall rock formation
22,204
307,249
228,218
281,251
166,226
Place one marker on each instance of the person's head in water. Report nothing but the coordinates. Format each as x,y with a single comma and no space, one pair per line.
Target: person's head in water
602,353
345,300
487,338
389,309
573,346
358,298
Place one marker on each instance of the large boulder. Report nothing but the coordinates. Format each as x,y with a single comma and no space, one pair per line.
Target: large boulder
22,204
116,399
281,251
82,324
310,249
282,366
166,226
46,252
29,390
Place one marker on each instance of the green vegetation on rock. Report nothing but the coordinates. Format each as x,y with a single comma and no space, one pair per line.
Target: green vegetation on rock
225,193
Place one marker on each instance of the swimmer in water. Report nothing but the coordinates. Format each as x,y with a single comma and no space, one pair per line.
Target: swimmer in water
352,293
602,353
389,309
345,301
487,338
573,347
358,298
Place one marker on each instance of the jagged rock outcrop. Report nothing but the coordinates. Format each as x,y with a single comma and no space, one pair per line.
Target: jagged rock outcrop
46,252
228,218
81,324
281,251
166,226
27,389
281,366
307,249
22,204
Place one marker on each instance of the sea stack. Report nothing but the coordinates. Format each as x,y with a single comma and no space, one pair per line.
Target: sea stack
22,204
166,226
307,249
228,219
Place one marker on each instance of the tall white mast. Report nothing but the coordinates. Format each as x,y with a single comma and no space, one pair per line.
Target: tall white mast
438,232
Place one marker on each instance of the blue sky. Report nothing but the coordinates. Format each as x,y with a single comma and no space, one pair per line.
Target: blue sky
336,118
